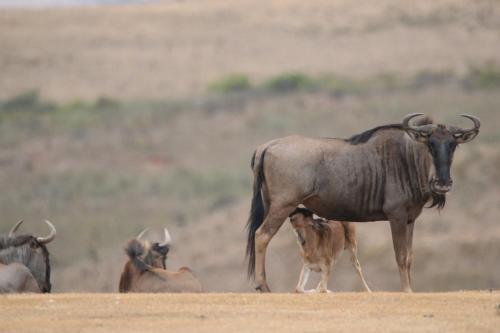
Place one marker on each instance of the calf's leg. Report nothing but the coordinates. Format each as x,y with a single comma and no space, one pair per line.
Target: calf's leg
304,276
325,275
357,266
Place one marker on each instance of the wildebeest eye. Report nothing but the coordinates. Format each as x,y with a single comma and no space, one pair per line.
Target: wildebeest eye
457,135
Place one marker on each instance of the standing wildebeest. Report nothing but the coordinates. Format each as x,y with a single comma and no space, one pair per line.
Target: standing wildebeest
146,272
321,244
387,173
24,262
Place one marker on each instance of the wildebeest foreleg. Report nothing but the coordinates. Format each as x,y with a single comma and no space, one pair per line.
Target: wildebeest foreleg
400,233
409,239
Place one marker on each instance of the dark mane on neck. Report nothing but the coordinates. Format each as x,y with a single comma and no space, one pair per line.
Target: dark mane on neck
6,242
367,135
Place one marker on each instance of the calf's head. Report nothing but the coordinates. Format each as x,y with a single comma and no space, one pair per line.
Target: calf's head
301,218
150,253
441,141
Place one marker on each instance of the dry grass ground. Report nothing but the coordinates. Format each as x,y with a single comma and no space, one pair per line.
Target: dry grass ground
343,312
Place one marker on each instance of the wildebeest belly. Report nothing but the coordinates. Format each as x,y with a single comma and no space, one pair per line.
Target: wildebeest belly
342,208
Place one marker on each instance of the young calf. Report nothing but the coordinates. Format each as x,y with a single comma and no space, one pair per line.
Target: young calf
321,244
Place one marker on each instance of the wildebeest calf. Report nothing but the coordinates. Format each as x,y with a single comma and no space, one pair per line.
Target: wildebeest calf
146,272
321,244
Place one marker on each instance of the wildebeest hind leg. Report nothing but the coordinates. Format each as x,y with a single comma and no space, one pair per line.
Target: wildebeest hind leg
276,215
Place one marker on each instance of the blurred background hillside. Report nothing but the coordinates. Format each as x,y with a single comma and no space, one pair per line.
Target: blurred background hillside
116,118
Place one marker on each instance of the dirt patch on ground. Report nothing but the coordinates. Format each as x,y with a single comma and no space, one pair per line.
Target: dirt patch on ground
344,312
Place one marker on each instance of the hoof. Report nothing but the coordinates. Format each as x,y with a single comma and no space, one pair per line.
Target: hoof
323,291
263,288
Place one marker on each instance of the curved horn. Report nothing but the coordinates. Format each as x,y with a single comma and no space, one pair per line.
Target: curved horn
142,233
407,118
167,238
50,237
12,232
475,120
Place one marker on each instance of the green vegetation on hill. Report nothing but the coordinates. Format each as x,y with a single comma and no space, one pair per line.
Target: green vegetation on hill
486,76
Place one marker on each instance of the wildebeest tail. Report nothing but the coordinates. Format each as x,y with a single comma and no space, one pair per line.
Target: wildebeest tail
257,213
134,250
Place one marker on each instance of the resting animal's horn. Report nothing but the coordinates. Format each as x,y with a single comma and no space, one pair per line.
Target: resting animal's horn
407,118
167,238
13,230
475,120
139,236
50,237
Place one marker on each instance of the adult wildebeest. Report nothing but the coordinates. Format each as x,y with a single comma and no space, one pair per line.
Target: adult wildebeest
387,173
24,261
146,272
321,244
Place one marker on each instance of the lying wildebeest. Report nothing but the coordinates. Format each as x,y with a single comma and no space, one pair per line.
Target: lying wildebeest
386,173
146,272
24,261
321,244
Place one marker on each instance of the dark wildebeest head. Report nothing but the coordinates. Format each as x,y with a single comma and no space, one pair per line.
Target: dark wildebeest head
442,141
30,251
146,253
143,256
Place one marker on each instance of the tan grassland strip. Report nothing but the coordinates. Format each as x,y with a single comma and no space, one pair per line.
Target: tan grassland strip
342,312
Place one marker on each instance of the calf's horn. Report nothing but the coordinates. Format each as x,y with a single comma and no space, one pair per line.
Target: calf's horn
50,237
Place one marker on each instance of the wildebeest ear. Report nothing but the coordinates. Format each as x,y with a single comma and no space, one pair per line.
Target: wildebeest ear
417,135
463,137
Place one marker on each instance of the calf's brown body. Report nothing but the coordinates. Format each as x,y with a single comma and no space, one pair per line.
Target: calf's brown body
321,244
